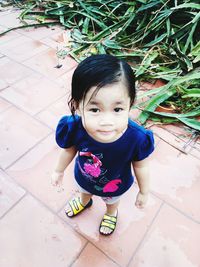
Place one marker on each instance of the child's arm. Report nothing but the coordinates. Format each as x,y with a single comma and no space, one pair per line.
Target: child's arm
141,169
64,159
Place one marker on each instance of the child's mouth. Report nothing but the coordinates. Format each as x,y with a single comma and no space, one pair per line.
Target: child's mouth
106,132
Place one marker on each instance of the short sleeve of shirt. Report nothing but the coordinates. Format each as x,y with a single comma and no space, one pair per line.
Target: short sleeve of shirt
145,146
65,131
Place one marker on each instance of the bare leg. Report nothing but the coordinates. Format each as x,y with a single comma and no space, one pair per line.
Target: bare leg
112,211
85,198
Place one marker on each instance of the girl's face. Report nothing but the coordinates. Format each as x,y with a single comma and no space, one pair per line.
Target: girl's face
105,113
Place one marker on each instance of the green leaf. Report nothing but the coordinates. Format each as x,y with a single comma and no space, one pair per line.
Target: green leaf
193,113
154,102
148,6
85,28
146,63
101,48
192,93
195,50
187,5
197,59
192,123
156,41
111,44
31,25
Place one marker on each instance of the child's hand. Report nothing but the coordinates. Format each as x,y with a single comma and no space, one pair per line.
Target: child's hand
141,200
57,179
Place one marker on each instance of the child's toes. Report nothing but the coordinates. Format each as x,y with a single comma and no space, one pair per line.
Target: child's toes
105,230
108,224
68,211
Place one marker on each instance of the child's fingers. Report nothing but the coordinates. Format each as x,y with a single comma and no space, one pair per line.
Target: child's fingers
56,179
139,204
54,182
60,188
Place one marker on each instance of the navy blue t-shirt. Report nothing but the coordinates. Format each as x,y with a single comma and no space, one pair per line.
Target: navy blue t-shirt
104,169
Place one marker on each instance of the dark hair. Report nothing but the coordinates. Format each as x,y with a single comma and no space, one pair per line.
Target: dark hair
100,70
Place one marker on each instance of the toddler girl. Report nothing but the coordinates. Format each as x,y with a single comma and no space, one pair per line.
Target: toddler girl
105,140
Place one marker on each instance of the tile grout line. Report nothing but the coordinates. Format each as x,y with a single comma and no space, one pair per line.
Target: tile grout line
145,234
52,103
15,204
34,116
27,151
15,38
78,254
177,209
46,76
60,26
60,210
56,214
175,147
184,214
6,109
105,254
35,70
28,193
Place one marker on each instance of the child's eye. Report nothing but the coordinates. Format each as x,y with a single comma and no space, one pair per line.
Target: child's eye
94,110
118,109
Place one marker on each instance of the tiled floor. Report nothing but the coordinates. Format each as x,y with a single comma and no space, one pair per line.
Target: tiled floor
34,231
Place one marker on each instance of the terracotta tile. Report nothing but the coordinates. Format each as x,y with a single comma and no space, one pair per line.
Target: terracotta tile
131,222
8,36
175,179
15,73
33,236
56,40
176,135
195,149
10,193
66,78
39,95
5,10
40,32
3,85
52,114
31,80
47,61
11,19
22,48
19,133
172,241
4,105
34,170
18,41
91,257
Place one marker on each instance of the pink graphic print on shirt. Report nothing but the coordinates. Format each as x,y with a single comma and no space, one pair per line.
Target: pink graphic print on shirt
94,169
112,186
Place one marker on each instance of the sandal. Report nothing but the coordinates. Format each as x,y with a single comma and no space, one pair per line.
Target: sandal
77,207
109,222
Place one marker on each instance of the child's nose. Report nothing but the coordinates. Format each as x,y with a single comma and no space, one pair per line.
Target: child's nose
106,119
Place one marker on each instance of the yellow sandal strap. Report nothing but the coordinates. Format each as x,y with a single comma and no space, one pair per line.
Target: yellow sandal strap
76,205
109,225
110,218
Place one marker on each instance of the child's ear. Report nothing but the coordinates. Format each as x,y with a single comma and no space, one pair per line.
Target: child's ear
78,111
76,107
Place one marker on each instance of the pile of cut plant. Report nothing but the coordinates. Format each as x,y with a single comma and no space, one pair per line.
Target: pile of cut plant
159,38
